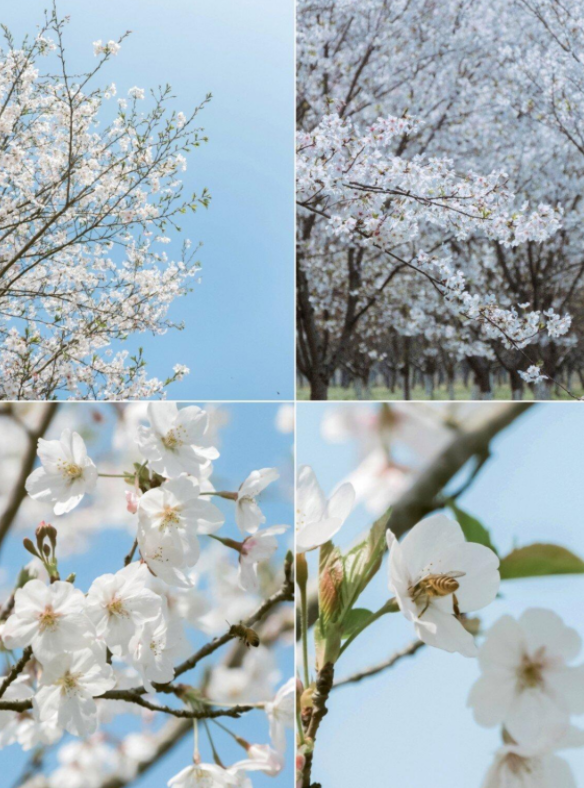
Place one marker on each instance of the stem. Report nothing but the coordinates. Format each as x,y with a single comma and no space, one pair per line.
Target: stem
130,556
112,475
389,607
304,628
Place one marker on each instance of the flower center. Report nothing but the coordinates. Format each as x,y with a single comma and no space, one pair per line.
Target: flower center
174,439
48,619
68,682
169,517
156,647
531,669
70,470
116,608
518,765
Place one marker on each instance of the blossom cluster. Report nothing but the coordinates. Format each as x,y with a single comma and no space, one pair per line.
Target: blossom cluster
87,656
86,212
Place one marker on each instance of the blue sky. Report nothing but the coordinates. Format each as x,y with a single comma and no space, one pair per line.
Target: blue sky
238,341
410,726
249,440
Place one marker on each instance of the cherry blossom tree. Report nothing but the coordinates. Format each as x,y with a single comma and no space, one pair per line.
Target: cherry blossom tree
443,567
437,191
146,639
91,198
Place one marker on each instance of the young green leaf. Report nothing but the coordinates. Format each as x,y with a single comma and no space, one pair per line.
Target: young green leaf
472,528
537,560
355,620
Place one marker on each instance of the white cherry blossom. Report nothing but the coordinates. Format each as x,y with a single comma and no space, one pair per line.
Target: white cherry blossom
177,441
281,713
318,520
435,550
50,618
262,758
170,517
528,683
67,473
156,648
248,514
203,775
68,685
119,604
260,546
535,765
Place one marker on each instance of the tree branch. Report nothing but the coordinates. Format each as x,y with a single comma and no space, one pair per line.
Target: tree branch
408,651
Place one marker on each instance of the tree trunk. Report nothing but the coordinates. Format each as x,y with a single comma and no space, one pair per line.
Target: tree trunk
318,388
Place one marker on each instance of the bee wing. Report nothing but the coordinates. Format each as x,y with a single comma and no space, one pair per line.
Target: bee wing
455,575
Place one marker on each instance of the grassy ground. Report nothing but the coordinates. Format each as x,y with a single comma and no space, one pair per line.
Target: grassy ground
419,393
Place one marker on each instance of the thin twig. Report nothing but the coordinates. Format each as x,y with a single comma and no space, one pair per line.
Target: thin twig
353,678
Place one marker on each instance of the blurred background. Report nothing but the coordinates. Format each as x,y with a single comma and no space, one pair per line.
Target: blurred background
241,51
94,538
409,726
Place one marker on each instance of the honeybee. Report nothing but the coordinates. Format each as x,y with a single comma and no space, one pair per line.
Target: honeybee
246,635
437,585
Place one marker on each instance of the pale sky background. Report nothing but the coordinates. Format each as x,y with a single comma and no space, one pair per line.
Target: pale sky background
409,727
239,336
249,440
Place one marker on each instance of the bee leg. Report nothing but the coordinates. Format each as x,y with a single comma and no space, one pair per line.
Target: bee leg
455,606
426,608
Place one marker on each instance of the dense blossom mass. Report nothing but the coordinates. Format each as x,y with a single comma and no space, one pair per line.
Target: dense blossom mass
77,659
87,210
439,163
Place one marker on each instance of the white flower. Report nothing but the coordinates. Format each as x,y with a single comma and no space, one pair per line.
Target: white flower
9,721
67,688
436,575
155,649
527,684
248,515
317,520
517,766
136,93
51,619
257,547
177,440
67,472
203,775
280,713
261,758
169,519
119,604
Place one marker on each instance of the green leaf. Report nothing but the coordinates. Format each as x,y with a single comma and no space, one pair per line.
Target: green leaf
538,560
362,562
355,620
472,528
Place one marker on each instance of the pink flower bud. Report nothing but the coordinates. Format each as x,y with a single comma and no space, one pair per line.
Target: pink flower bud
131,501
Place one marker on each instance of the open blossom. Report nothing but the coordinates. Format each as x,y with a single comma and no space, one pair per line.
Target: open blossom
68,685
156,648
318,520
202,775
436,575
67,473
534,766
177,441
280,713
51,619
170,517
9,721
261,758
248,514
527,683
119,604
260,546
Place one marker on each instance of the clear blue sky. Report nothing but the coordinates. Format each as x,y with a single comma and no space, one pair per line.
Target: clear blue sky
410,727
249,441
239,337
